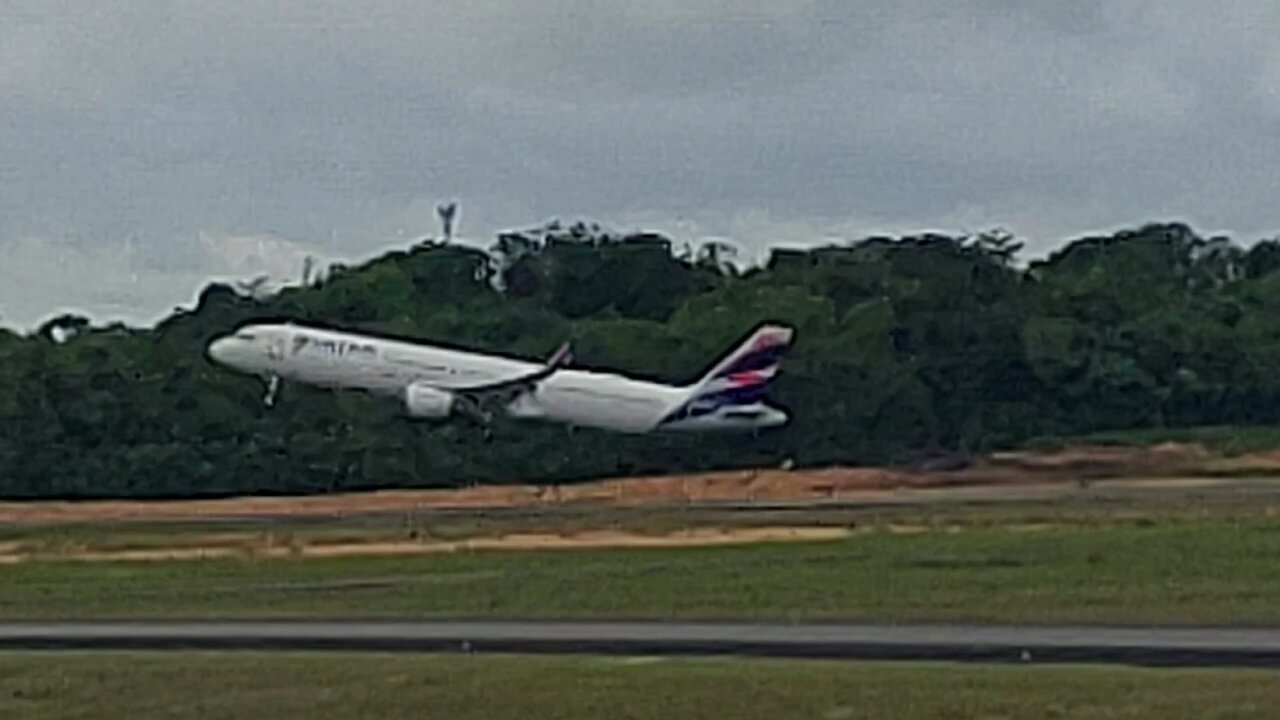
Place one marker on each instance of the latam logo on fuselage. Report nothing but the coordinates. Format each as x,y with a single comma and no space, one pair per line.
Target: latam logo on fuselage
303,344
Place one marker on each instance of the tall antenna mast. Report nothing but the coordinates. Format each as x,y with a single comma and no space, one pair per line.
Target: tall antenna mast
447,213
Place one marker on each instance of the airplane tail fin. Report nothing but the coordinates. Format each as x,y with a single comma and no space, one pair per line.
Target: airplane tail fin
743,375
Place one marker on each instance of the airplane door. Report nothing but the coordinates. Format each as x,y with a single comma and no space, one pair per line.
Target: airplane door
275,348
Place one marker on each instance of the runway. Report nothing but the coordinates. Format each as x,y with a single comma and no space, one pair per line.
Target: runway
1024,644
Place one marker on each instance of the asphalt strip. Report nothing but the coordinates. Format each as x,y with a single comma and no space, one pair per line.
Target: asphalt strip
1145,646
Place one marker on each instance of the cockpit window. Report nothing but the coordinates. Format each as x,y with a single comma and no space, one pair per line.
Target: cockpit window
245,335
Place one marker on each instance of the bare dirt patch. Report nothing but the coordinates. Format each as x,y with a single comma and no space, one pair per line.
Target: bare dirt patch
269,547
1000,472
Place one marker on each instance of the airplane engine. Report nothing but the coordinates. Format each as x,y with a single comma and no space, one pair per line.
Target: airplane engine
424,401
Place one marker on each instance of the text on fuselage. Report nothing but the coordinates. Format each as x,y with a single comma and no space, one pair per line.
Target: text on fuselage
332,348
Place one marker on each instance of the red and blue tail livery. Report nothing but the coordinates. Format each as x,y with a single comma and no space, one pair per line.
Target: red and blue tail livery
736,386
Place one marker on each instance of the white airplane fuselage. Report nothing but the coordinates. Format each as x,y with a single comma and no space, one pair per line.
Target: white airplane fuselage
428,378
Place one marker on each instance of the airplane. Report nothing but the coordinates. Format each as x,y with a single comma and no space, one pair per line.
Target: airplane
437,383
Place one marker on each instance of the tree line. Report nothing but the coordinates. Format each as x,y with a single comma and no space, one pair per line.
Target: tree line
905,347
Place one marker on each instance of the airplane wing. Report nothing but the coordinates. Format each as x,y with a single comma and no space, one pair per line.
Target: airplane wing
561,357
473,400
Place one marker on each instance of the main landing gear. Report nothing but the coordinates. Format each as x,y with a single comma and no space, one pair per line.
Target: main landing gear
482,424
484,421
478,415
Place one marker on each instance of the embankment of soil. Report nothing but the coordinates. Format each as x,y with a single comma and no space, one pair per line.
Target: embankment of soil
264,547
1002,469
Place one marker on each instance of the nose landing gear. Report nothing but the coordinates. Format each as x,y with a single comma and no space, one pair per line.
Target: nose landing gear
273,391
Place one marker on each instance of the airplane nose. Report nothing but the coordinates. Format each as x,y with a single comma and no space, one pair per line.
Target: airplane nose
218,350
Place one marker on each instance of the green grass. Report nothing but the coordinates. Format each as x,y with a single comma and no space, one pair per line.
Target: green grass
1188,570
142,686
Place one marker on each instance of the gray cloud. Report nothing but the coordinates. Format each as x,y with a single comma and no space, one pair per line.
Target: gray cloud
334,128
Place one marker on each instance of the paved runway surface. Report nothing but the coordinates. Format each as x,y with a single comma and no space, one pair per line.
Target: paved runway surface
1142,646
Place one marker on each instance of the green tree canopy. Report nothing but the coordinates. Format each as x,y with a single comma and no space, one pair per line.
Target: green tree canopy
904,345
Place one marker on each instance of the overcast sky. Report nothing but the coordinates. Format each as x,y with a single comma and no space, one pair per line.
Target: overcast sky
148,146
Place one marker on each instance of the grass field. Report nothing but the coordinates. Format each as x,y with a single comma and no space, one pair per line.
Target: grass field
317,686
1188,566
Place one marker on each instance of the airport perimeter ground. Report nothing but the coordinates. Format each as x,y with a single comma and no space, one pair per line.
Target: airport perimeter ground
1171,535
315,686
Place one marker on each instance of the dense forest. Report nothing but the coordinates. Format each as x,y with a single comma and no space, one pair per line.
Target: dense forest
905,347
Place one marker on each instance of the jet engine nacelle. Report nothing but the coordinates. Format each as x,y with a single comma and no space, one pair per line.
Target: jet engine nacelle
424,401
